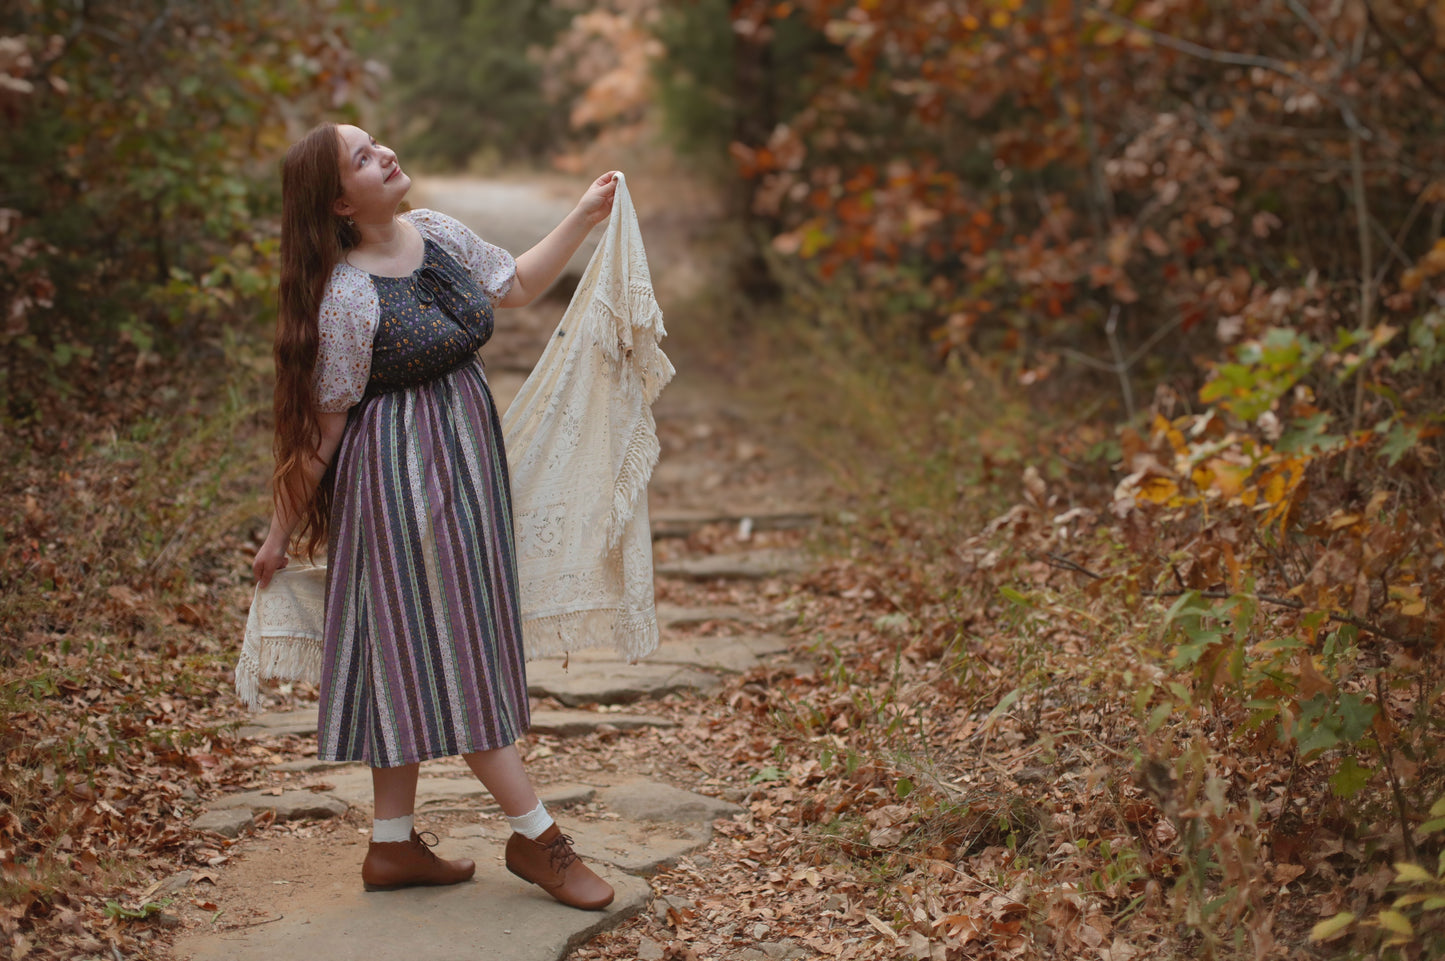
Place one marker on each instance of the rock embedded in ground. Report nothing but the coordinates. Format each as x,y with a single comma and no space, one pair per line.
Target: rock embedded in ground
300,723
174,884
493,917
353,786
288,805
309,765
729,653
744,566
674,615
227,823
641,800
581,723
612,682
680,522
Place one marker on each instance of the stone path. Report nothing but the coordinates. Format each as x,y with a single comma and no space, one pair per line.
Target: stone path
634,828
299,898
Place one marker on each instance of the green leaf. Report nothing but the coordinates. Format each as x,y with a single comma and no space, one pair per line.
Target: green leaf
1396,922
903,788
1356,715
1158,716
1350,779
1021,600
1199,643
1437,810
768,773
1332,927
1003,705
1402,439
1407,873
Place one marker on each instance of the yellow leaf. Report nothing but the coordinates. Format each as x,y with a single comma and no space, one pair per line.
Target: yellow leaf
1228,478
1158,489
1341,521
998,19
1412,873
1332,927
1396,922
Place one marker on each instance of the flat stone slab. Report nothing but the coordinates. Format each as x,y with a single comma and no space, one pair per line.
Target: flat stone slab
278,723
612,682
352,785
228,823
319,911
579,723
288,805
744,566
673,615
734,654
680,522
309,765
643,800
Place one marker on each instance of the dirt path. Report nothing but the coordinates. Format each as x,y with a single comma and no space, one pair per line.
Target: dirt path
613,747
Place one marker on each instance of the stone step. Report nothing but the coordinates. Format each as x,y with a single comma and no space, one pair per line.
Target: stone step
581,723
735,654
742,566
305,901
674,615
613,682
301,723
492,917
681,522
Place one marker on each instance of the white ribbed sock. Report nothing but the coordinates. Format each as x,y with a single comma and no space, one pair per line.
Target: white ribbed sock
386,830
533,824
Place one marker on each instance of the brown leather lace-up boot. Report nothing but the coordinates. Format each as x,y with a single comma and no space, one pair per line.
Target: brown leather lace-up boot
550,863
403,864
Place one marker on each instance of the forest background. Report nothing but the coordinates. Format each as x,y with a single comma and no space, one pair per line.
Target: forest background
1129,329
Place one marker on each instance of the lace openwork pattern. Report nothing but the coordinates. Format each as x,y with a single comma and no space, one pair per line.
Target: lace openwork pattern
582,444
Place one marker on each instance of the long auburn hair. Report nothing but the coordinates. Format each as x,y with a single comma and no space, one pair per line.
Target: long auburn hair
314,239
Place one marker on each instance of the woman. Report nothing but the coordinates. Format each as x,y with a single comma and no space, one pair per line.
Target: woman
389,449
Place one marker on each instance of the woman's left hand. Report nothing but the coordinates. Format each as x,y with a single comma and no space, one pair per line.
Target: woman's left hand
596,204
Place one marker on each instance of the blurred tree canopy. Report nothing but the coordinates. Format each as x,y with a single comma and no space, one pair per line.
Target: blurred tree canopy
467,78
139,169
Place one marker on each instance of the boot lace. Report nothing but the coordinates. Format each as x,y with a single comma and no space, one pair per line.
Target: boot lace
560,853
425,840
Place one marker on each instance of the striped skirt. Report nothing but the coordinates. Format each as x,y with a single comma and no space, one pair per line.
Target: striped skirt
423,634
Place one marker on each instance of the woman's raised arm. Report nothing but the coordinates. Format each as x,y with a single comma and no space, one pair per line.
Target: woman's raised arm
538,267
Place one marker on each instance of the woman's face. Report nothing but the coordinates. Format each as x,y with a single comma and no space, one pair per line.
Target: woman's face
372,182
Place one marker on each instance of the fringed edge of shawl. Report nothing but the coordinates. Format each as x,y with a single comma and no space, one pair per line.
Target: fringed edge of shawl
284,657
633,634
643,447
644,314
643,450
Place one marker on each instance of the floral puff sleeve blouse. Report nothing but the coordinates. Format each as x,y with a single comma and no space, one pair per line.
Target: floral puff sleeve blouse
350,309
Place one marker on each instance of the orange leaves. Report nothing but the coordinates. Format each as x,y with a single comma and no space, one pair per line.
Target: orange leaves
1429,267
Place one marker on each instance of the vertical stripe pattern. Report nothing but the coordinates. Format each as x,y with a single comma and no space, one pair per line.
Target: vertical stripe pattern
423,633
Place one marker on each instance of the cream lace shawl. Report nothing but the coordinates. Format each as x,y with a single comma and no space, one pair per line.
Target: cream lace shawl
581,444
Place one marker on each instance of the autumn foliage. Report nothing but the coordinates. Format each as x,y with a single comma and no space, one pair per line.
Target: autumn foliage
1209,237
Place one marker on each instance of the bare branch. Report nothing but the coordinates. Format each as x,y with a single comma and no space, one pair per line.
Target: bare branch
1347,113
1400,52
1289,603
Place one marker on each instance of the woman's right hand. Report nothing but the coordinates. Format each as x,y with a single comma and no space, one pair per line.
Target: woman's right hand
269,559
